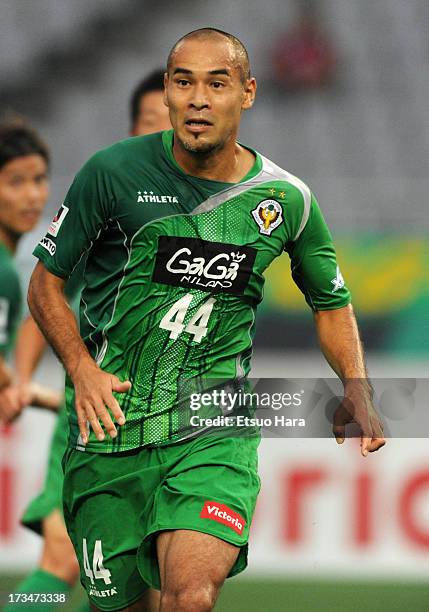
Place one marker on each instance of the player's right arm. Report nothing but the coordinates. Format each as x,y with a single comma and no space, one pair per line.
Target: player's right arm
93,386
29,350
85,212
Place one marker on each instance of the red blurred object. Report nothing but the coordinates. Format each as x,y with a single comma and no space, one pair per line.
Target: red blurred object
304,57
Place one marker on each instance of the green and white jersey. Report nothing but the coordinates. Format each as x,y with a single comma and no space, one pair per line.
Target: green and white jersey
10,301
175,270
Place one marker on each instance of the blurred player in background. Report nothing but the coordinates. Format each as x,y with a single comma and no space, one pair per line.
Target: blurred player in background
24,163
148,112
58,568
160,309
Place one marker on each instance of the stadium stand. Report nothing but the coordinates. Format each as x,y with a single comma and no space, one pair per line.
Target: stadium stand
379,104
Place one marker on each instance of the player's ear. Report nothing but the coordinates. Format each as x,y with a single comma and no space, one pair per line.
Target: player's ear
165,88
249,93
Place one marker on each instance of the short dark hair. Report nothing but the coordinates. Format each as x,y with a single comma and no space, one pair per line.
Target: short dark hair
153,82
240,49
18,139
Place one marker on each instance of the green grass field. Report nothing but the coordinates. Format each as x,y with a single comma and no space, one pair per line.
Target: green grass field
252,595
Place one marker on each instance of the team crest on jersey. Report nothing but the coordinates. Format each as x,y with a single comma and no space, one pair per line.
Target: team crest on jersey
268,215
58,220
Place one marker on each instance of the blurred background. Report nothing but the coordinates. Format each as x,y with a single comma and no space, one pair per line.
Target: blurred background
342,103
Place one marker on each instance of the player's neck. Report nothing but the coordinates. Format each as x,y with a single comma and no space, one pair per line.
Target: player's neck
228,165
8,239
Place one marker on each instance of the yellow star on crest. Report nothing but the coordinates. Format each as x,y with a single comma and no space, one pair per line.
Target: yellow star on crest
272,191
282,194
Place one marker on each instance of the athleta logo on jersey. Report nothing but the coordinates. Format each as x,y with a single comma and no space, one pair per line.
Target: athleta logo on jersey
338,281
210,266
222,514
58,220
149,196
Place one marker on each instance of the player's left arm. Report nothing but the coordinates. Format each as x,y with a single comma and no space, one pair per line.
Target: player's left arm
17,389
316,272
5,374
9,402
341,345
30,347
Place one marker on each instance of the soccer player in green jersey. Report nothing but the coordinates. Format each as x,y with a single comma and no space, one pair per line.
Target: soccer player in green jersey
24,187
178,228
148,112
24,161
43,515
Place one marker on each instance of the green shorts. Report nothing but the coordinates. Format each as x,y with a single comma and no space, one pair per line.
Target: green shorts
116,504
51,496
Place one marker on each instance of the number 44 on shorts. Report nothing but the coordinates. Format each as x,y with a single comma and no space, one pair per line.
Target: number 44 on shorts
98,570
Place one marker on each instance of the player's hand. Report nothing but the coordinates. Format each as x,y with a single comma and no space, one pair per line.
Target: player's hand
94,398
40,396
357,407
11,405
25,395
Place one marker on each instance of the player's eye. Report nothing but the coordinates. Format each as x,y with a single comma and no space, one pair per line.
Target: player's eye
182,82
16,181
40,178
217,84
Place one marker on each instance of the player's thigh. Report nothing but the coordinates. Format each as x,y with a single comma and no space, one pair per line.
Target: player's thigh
102,508
200,557
58,556
54,528
211,488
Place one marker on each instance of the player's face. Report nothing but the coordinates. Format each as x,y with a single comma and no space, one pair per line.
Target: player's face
153,114
206,95
23,193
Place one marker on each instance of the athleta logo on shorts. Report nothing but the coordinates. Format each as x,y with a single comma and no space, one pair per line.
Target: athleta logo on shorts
210,266
58,220
222,514
106,593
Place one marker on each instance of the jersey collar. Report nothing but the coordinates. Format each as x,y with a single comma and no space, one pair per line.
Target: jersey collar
5,250
167,141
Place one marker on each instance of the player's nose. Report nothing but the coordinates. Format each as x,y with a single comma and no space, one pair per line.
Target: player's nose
200,98
35,194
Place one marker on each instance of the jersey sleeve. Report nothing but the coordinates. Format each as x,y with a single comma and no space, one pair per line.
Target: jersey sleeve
10,309
74,286
314,264
86,210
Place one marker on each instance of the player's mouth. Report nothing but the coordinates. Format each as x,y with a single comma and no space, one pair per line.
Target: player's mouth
197,126
30,216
